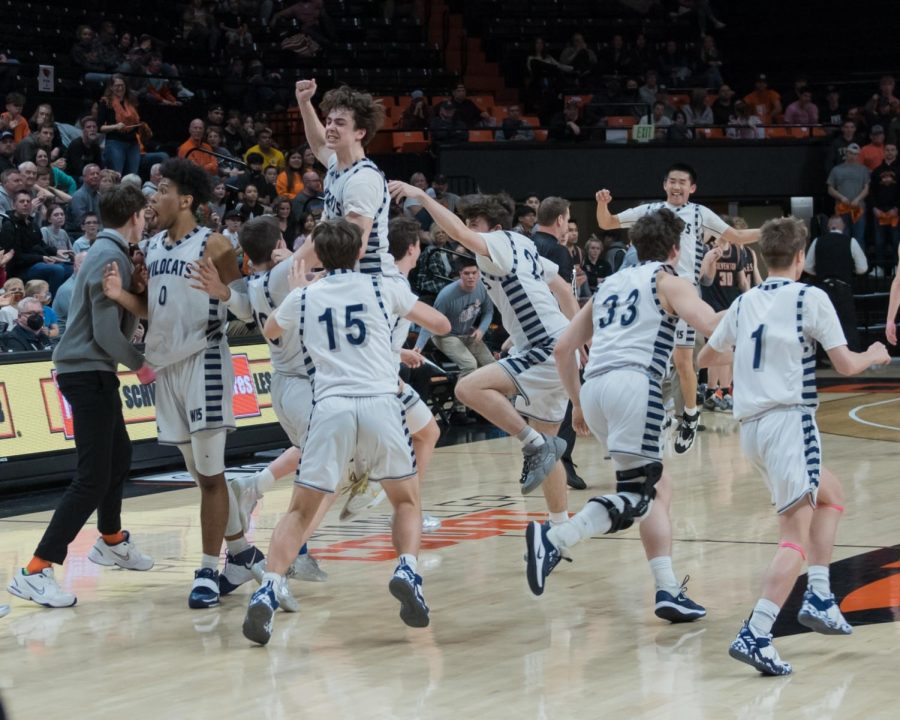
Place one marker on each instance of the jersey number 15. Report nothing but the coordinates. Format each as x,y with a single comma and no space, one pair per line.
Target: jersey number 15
354,327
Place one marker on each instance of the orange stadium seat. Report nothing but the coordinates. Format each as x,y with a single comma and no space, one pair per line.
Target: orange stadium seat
621,121
481,136
405,141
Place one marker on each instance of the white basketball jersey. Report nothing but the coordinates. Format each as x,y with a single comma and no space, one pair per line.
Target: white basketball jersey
362,189
774,328
345,321
267,291
631,328
700,225
516,278
182,320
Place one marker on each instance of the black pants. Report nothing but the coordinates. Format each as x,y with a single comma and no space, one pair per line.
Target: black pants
104,459
841,295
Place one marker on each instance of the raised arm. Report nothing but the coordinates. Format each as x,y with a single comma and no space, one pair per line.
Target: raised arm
312,126
605,219
740,237
445,219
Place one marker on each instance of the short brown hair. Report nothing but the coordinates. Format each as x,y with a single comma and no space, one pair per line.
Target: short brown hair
403,233
654,235
258,238
780,239
368,113
550,209
119,203
337,243
495,209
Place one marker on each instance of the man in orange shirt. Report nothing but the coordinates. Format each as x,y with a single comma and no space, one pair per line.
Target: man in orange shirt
196,129
766,103
872,155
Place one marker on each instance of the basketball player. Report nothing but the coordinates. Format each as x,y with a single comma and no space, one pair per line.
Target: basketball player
344,323
260,240
700,224
186,344
630,323
97,340
534,303
355,189
890,329
403,234
774,329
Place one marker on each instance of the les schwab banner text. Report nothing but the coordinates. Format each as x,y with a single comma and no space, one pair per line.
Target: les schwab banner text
35,417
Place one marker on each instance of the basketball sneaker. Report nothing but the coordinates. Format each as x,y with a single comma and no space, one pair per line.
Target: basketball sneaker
406,586
4,610
822,615
758,651
686,432
260,614
125,555
247,496
306,567
541,556
430,524
238,569
285,597
539,461
363,495
678,608
40,588
205,590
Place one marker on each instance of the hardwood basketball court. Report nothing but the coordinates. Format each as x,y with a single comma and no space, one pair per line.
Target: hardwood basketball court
590,647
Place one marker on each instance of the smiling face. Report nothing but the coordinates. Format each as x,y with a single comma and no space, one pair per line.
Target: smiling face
679,187
41,158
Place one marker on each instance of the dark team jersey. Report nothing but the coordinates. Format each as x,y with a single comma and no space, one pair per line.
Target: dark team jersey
726,287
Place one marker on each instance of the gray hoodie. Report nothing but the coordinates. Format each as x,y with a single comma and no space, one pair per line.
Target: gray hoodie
98,330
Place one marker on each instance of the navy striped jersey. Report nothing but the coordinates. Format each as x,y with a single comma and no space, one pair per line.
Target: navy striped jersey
362,189
182,320
700,225
267,291
516,278
774,329
345,322
631,327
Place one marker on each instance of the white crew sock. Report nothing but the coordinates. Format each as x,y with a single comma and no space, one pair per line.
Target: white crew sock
664,575
236,546
410,560
690,410
271,577
264,480
558,518
209,561
763,617
819,582
529,437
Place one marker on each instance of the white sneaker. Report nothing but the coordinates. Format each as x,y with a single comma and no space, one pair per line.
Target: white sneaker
125,555
285,598
430,524
306,567
247,495
364,495
40,588
4,610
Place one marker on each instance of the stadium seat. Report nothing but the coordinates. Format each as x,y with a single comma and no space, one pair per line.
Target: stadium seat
405,141
481,136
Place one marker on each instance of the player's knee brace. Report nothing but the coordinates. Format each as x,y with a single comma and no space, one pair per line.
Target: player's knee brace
637,481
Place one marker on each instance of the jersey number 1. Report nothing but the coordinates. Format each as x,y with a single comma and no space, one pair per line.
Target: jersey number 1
757,336
355,327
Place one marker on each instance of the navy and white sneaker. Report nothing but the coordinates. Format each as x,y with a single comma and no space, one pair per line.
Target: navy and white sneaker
678,608
541,556
205,591
238,569
822,615
260,614
686,432
758,651
539,461
406,586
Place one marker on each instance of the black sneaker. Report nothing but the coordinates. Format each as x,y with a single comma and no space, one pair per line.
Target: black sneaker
686,432
573,479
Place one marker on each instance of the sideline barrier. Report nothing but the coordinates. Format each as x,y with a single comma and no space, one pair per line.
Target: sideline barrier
36,439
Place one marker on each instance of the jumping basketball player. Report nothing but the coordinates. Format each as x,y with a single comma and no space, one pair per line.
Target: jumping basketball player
534,303
344,323
186,344
774,329
631,322
700,224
